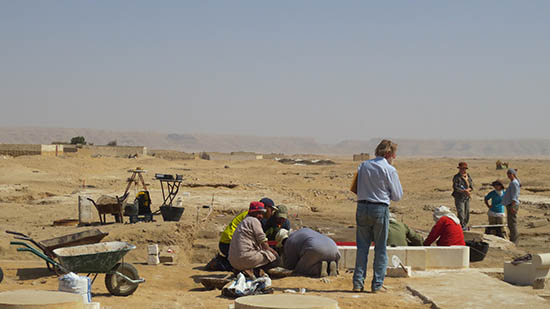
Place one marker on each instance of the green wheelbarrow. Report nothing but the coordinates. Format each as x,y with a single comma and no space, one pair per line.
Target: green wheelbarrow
121,279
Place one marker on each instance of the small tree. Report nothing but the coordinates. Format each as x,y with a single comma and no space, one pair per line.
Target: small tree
78,140
112,143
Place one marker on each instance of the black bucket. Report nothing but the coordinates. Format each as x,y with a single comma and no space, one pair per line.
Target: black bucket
478,250
170,213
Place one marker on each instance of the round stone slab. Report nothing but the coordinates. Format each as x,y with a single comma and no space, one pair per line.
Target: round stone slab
31,299
285,301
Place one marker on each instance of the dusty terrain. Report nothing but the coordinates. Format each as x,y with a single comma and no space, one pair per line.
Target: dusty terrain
35,191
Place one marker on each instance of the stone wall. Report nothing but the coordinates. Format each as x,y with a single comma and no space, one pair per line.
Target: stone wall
116,151
70,148
16,150
233,156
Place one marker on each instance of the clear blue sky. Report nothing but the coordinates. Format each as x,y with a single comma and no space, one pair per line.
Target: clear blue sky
332,70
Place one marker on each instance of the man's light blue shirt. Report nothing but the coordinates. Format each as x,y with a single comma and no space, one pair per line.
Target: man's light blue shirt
378,182
512,193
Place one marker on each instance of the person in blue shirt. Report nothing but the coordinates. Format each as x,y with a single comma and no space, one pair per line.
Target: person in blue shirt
511,201
377,184
496,209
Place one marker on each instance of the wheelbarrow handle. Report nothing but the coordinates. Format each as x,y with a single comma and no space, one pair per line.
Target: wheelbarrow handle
34,251
34,243
17,233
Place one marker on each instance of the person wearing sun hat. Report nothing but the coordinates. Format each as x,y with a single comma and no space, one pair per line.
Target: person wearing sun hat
496,209
249,250
462,193
308,252
278,221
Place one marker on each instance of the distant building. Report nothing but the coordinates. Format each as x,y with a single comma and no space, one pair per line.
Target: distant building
16,150
361,157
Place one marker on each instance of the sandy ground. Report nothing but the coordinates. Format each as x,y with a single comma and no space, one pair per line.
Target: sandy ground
35,191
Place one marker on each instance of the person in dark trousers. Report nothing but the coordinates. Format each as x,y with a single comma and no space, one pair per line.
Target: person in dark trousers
511,201
462,193
496,209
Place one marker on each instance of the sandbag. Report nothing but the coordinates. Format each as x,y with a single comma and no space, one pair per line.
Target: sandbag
76,284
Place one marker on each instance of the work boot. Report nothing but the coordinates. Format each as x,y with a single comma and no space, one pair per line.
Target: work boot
324,266
333,269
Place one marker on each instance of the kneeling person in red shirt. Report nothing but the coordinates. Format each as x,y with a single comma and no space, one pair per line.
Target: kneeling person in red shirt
447,228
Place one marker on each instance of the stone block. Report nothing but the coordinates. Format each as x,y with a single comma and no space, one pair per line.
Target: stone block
347,260
153,259
527,272
153,249
167,259
400,252
416,258
453,257
473,236
398,272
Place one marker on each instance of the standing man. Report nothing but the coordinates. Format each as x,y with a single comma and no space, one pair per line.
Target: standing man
462,192
377,183
511,201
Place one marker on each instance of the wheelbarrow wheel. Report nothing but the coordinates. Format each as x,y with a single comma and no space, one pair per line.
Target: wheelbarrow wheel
118,286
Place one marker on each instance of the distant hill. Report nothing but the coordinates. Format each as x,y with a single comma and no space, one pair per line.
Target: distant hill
289,145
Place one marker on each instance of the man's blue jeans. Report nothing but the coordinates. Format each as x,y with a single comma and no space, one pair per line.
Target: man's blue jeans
372,225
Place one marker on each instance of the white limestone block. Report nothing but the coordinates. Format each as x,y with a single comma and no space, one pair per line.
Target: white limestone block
153,259
416,258
349,258
541,260
400,252
525,273
453,257
153,249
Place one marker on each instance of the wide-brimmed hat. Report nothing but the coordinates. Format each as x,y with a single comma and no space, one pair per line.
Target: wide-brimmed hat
281,235
282,211
256,207
462,165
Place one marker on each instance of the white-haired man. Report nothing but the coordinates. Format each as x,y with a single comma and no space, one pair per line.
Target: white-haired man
377,185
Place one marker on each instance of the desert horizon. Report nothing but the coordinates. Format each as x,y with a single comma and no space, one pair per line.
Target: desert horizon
198,142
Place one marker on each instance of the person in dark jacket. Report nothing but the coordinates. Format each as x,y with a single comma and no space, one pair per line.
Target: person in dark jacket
462,193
